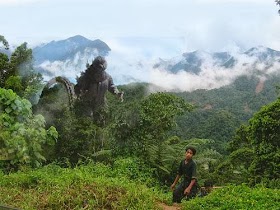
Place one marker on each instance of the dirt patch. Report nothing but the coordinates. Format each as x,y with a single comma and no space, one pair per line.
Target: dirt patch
260,86
207,106
166,207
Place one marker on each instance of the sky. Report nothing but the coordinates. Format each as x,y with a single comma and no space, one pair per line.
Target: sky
146,29
187,25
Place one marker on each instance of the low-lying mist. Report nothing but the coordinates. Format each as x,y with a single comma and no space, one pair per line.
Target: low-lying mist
128,65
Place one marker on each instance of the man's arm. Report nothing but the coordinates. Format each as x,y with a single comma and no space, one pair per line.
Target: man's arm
188,189
175,182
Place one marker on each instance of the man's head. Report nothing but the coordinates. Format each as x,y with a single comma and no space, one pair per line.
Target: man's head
190,151
99,63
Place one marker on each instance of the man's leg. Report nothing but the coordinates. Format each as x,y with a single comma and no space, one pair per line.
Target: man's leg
193,192
178,193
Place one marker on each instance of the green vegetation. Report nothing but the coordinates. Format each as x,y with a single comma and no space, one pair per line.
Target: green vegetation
22,133
259,140
122,185
51,158
17,73
237,197
219,112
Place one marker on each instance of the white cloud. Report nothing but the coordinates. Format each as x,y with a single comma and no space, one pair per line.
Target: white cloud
211,76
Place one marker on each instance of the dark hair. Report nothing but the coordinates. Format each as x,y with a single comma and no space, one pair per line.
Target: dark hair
192,149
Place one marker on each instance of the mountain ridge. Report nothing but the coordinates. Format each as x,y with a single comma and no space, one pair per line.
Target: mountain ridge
193,62
196,70
66,49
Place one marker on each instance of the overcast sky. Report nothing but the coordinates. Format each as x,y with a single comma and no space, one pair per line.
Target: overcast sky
178,25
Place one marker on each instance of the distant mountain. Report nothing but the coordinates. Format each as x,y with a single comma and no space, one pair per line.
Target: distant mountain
68,48
197,61
67,57
193,61
263,53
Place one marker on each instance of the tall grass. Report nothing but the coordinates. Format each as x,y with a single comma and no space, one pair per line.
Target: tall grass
96,185
127,184
237,197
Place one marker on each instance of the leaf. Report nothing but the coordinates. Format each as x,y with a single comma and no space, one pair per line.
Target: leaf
8,110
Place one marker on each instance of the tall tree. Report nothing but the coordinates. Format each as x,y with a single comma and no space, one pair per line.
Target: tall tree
4,62
4,68
264,133
79,138
4,41
258,143
145,131
17,72
23,78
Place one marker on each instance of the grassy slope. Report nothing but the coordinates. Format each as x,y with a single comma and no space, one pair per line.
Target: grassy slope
103,187
53,187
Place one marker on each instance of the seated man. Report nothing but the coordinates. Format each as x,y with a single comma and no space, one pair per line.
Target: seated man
188,187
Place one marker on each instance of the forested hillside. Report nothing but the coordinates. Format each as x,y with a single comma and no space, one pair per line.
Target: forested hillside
219,112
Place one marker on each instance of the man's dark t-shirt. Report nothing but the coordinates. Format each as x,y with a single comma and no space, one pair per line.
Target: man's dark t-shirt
187,170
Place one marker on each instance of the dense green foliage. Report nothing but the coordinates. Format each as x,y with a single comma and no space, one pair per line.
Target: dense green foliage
22,134
237,197
144,132
139,126
221,111
80,137
4,41
152,119
258,143
17,72
145,125
264,135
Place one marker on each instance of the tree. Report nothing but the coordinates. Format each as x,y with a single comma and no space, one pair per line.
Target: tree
4,66
17,72
158,113
4,41
264,134
4,62
22,68
255,149
80,138
145,130
22,134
